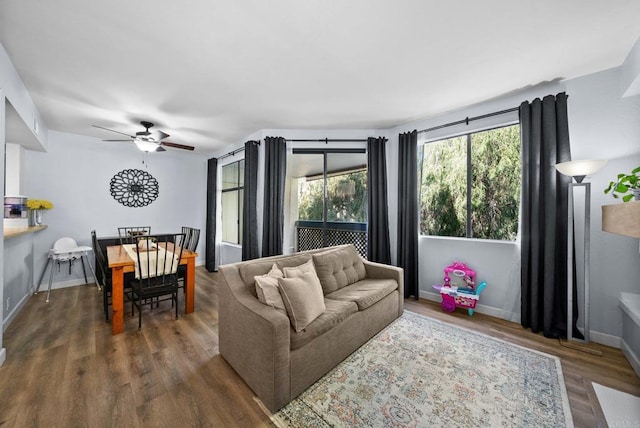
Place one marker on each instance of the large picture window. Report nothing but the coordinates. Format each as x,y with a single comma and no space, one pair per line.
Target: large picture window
232,194
470,185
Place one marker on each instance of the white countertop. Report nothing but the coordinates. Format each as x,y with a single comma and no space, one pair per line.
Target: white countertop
630,304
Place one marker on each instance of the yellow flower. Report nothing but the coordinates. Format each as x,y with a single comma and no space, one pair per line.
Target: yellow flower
39,204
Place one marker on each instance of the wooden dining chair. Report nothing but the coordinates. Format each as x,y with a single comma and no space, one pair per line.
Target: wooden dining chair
129,234
156,271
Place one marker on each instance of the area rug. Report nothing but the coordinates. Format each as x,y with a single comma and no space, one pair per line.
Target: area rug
620,409
419,372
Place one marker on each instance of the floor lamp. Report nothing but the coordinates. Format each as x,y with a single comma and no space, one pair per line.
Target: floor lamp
579,170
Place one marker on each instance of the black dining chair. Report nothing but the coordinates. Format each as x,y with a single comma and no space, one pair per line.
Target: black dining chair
156,271
103,275
192,237
129,234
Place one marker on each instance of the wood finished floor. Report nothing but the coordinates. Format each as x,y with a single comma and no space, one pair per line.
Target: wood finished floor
64,369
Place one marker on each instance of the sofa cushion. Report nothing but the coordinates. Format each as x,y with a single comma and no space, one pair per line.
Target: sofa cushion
295,259
303,299
336,311
267,288
338,268
249,270
365,293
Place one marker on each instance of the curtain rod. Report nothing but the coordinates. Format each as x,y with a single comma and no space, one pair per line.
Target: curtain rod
468,119
236,151
329,140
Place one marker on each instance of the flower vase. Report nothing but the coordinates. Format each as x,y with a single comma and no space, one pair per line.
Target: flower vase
38,217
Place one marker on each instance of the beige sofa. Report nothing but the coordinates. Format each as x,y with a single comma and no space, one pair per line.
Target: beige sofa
259,342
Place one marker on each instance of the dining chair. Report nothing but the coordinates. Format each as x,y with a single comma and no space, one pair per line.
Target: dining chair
192,237
65,250
156,271
129,234
103,275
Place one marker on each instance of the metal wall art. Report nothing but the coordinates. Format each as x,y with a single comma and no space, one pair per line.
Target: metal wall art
134,188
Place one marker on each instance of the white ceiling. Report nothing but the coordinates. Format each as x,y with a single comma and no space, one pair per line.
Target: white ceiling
212,72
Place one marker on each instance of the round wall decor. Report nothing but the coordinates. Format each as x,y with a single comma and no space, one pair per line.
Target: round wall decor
134,188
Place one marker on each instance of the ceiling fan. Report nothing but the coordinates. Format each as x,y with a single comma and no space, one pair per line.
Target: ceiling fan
148,141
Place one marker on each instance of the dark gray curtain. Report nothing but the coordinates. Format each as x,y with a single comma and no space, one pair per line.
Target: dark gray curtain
378,249
275,165
544,132
408,211
210,239
249,213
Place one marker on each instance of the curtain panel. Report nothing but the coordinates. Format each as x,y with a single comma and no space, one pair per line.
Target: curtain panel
275,165
210,236
408,211
249,212
544,132
378,248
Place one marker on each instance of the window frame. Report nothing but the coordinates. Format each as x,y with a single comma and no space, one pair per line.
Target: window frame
240,192
469,175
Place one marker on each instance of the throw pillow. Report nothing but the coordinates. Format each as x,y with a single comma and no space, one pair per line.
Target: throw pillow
292,272
267,288
303,299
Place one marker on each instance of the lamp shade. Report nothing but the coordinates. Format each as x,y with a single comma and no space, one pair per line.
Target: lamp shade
146,146
580,168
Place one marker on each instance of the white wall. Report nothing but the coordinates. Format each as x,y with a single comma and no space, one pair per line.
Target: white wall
75,175
13,92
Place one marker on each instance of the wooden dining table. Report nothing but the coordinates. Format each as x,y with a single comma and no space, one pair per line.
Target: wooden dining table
120,263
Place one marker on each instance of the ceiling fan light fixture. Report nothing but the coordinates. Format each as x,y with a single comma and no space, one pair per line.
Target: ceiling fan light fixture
146,146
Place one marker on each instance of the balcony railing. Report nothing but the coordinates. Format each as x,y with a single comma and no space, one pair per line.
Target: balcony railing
310,235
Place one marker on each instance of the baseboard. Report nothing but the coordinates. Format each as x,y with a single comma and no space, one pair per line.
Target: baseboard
481,309
16,310
64,284
633,358
3,356
605,339
601,338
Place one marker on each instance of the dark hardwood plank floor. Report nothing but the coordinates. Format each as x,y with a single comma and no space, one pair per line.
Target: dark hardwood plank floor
64,369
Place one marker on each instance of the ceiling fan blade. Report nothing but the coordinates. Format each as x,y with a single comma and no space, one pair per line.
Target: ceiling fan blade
158,135
161,149
111,130
177,146
117,140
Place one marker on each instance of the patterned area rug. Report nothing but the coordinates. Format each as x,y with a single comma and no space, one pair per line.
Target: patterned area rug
420,372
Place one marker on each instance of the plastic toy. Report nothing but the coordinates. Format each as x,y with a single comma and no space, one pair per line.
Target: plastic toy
459,288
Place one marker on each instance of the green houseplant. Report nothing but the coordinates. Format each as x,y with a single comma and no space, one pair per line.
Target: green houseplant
626,183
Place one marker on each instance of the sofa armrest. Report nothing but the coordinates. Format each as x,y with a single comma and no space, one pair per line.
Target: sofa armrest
382,271
254,339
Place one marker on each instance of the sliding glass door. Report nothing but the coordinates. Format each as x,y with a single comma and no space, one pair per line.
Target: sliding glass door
328,195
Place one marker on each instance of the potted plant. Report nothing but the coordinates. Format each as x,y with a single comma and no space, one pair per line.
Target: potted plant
626,183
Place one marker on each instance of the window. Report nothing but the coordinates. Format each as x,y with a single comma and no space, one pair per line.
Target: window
232,194
346,197
470,185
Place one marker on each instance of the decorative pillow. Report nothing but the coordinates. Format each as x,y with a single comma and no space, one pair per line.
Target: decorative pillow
338,268
293,272
267,288
303,299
